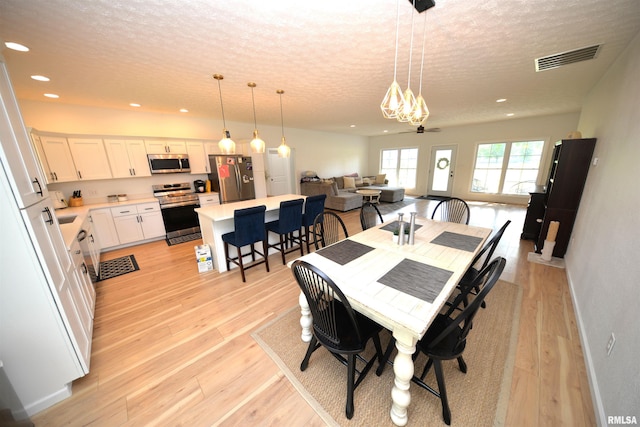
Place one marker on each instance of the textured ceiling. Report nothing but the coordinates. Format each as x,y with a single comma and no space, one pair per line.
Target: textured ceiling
333,58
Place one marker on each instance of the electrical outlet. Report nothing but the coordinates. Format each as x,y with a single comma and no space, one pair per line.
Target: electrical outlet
610,343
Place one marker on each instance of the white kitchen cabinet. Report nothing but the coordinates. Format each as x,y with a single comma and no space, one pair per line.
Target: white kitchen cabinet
81,272
59,159
90,158
104,228
197,158
134,223
208,199
127,157
26,177
167,146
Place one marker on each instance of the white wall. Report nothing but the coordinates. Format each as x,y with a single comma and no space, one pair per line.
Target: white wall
603,259
547,128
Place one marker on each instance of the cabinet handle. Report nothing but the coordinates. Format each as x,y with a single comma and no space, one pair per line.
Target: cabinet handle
35,181
55,176
79,175
84,268
137,219
539,220
48,212
124,212
141,220
78,251
134,171
92,239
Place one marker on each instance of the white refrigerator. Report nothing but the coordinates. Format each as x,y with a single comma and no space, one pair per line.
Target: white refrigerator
44,345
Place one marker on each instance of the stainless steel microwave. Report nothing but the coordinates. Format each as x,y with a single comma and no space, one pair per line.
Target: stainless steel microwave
168,163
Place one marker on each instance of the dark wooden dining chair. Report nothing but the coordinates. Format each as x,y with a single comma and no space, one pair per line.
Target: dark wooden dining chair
337,327
446,338
452,210
313,206
288,227
477,266
329,228
369,215
248,230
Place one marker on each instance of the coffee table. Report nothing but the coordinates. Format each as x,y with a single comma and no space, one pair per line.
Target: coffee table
373,196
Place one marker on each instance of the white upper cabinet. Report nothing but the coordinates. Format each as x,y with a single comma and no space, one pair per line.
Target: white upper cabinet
90,158
210,148
128,157
165,147
16,152
197,158
58,157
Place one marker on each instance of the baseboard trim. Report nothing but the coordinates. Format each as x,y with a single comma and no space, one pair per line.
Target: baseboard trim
600,415
47,401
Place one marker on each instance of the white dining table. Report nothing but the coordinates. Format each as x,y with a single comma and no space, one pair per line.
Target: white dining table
401,287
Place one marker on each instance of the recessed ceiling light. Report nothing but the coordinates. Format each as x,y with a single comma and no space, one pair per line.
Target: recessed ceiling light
352,126
40,78
385,131
184,110
510,114
51,95
17,46
501,100
133,104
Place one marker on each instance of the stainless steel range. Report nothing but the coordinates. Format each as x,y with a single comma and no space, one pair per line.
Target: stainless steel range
177,204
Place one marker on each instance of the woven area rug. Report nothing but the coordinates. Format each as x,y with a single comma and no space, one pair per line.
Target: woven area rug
117,267
477,398
183,239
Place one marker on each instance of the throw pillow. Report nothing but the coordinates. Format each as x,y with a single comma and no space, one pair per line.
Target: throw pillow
334,188
340,181
380,178
358,182
349,182
353,175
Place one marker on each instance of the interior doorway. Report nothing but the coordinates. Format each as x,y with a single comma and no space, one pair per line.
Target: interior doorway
442,170
279,173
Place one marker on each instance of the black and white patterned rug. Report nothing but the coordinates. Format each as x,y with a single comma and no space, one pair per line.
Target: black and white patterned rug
183,239
117,267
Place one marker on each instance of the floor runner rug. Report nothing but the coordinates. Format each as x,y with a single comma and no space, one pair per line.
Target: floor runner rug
477,398
117,267
183,239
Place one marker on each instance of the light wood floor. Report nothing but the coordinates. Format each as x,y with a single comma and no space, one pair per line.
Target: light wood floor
173,347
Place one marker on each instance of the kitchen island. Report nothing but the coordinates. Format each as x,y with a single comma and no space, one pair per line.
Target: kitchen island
218,220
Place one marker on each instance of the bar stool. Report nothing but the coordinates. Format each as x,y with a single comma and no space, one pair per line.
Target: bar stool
249,229
313,206
289,220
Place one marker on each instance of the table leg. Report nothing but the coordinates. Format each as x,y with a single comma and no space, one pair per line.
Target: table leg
403,369
305,318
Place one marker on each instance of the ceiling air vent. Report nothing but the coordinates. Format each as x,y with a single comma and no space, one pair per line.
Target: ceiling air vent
566,58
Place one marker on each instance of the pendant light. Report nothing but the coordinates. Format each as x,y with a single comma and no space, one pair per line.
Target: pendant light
420,111
226,144
408,99
283,149
393,99
257,144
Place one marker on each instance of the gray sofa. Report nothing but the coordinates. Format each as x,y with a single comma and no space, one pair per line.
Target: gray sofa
339,200
346,199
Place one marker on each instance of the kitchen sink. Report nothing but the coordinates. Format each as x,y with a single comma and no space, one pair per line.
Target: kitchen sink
66,219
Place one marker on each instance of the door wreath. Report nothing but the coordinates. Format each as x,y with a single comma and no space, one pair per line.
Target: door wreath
442,163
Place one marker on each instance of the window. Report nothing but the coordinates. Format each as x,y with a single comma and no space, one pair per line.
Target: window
507,167
401,166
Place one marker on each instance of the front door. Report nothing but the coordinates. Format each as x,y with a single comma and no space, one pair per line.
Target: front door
441,170
279,174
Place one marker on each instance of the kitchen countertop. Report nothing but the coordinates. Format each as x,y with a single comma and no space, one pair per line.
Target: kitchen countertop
70,230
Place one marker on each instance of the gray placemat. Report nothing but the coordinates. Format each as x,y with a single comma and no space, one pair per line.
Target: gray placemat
393,226
422,281
457,241
344,252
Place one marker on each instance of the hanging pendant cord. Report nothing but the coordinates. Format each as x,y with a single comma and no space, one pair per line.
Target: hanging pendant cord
253,101
411,46
424,38
395,63
224,123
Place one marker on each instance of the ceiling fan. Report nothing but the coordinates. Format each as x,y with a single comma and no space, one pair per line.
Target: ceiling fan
421,129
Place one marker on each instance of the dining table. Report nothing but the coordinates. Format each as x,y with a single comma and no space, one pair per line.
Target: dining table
401,287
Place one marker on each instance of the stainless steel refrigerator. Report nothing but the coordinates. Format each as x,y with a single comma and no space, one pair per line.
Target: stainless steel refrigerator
232,177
